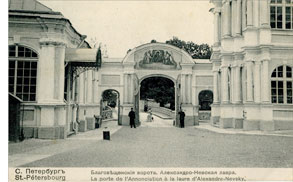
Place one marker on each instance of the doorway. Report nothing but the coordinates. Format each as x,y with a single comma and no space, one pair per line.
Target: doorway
110,105
205,99
157,101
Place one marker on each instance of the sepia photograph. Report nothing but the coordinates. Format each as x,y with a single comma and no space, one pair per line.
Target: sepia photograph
193,85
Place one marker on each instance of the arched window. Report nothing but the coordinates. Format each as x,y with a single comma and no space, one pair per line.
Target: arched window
281,85
205,99
23,72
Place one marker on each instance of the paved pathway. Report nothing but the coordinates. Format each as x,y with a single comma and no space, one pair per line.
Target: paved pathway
36,149
156,144
207,126
157,122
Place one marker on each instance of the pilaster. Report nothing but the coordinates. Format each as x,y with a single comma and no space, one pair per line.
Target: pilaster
238,18
189,88
226,21
249,91
216,28
46,73
50,90
257,83
81,88
265,89
249,7
51,72
183,88
264,13
256,11
243,14
237,97
215,82
233,17
224,84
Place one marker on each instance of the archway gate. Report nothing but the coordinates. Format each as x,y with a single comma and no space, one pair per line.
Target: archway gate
108,113
149,60
158,60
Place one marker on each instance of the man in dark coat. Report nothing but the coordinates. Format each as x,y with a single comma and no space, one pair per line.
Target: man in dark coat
181,115
132,117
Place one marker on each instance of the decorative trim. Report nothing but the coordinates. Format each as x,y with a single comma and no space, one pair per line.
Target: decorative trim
51,42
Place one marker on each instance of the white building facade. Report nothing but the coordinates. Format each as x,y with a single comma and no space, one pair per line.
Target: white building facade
38,38
252,64
249,74
61,94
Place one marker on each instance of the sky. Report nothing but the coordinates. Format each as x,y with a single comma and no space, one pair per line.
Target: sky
123,25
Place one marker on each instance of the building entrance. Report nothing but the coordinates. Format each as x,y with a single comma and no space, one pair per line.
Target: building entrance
157,101
150,64
110,105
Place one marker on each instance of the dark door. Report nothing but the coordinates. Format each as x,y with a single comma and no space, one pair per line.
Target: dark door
14,119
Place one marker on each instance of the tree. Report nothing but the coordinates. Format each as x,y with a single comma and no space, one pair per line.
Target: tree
110,96
160,89
202,51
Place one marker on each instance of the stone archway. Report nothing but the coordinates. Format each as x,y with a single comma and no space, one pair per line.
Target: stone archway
163,60
164,108
110,98
205,99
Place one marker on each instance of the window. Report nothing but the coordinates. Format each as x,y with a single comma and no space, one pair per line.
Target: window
205,99
22,72
281,14
281,85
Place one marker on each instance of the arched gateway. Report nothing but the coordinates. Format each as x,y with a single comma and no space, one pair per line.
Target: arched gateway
88,75
156,60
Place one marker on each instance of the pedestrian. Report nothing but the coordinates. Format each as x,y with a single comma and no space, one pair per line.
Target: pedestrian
181,115
131,118
150,116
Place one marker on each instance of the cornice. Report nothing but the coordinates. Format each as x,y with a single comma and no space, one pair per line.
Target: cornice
52,42
49,24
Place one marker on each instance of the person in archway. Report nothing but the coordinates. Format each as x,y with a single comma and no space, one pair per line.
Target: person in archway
150,117
131,115
181,116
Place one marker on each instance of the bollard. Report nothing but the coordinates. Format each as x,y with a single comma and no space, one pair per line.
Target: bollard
106,135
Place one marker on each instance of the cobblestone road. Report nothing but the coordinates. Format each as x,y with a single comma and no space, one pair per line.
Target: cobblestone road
150,146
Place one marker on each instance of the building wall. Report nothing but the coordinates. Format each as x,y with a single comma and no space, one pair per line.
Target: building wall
54,116
46,117
246,51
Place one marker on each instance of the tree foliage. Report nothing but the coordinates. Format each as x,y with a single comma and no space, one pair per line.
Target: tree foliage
158,88
202,51
110,96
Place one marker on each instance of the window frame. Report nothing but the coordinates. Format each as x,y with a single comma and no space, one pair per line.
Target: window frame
16,60
283,5
284,79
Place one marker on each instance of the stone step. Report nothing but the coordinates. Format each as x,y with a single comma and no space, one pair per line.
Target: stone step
216,125
70,133
204,121
162,116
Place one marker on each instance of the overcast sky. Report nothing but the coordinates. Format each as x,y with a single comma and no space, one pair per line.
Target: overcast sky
123,25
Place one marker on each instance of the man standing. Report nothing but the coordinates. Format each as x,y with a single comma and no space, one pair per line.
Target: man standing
132,117
181,115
